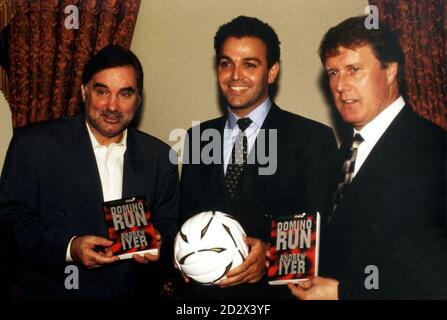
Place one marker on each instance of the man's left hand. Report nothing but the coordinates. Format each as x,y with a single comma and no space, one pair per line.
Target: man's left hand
252,269
318,288
147,256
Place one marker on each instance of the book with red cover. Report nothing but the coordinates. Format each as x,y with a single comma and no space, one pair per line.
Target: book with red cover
129,227
295,244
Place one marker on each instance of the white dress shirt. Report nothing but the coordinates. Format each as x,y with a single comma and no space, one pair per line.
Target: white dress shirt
231,130
373,130
110,162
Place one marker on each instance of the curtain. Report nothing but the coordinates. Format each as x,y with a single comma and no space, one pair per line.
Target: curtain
6,14
47,55
422,28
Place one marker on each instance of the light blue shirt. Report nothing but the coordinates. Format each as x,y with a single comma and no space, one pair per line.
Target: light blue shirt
231,130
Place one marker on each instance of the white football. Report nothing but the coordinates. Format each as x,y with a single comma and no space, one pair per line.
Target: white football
209,245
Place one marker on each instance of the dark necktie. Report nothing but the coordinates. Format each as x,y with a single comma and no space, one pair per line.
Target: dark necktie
238,158
348,170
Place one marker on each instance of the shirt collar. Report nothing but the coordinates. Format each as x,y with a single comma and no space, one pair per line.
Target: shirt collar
373,130
96,144
257,116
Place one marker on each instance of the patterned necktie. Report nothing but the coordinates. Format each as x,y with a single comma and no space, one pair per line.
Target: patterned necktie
348,170
238,157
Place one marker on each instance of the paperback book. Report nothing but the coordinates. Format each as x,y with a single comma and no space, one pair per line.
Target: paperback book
129,227
295,244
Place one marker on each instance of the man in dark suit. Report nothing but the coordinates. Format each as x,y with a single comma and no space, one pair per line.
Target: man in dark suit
286,163
57,175
387,235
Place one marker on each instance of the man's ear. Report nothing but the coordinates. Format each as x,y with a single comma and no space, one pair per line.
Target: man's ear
140,100
273,73
83,93
392,69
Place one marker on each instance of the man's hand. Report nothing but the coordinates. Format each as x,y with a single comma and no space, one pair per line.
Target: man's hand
253,268
147,256
318,288
82,250
185,278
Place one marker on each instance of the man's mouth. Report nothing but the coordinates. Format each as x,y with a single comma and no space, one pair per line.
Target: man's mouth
348,101
111,118
239,88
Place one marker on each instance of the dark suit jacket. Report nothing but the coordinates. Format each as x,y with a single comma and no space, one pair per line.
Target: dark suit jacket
392,216
50,190
305,149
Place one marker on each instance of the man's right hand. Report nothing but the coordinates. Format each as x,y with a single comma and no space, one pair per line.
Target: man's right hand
185,278
83,251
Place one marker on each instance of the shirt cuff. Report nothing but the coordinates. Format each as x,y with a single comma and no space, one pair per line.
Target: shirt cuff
68,257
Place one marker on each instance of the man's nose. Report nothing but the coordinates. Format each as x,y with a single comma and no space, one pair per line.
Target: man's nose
236,75
113,104
342,83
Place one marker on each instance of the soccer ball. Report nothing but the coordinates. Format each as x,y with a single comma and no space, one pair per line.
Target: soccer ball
208,246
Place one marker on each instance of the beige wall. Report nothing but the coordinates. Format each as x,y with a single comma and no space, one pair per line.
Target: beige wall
5,128
174,40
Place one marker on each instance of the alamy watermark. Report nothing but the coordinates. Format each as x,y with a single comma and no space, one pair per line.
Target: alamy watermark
72,279
72,20
372,280
205,147
372,20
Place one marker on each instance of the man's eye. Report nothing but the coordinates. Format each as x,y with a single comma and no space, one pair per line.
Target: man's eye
126,93
250,65
355,68
101,92
224,64
331,73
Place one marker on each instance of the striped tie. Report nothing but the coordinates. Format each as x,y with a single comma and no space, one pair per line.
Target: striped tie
348,170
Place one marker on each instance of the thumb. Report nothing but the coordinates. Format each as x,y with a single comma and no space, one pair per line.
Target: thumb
157,234
250,241
306,284
297,291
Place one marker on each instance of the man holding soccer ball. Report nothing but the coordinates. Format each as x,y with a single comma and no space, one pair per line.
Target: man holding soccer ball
272,162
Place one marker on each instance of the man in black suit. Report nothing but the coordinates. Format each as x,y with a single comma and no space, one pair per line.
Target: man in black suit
387,233
57,175
286,165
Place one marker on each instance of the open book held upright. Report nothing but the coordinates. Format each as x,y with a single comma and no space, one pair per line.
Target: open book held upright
129,227
295,244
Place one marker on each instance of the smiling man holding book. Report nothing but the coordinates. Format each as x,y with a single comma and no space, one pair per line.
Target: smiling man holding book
58,174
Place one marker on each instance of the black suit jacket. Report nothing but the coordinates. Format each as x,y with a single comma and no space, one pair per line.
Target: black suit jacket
305,150
50,191
392,216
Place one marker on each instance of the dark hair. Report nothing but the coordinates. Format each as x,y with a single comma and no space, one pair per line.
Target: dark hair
243,26
111,57
352,34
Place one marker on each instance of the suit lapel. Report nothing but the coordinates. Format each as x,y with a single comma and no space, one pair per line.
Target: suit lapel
221,128
132,168
386,148
217,173
250,178
83,172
